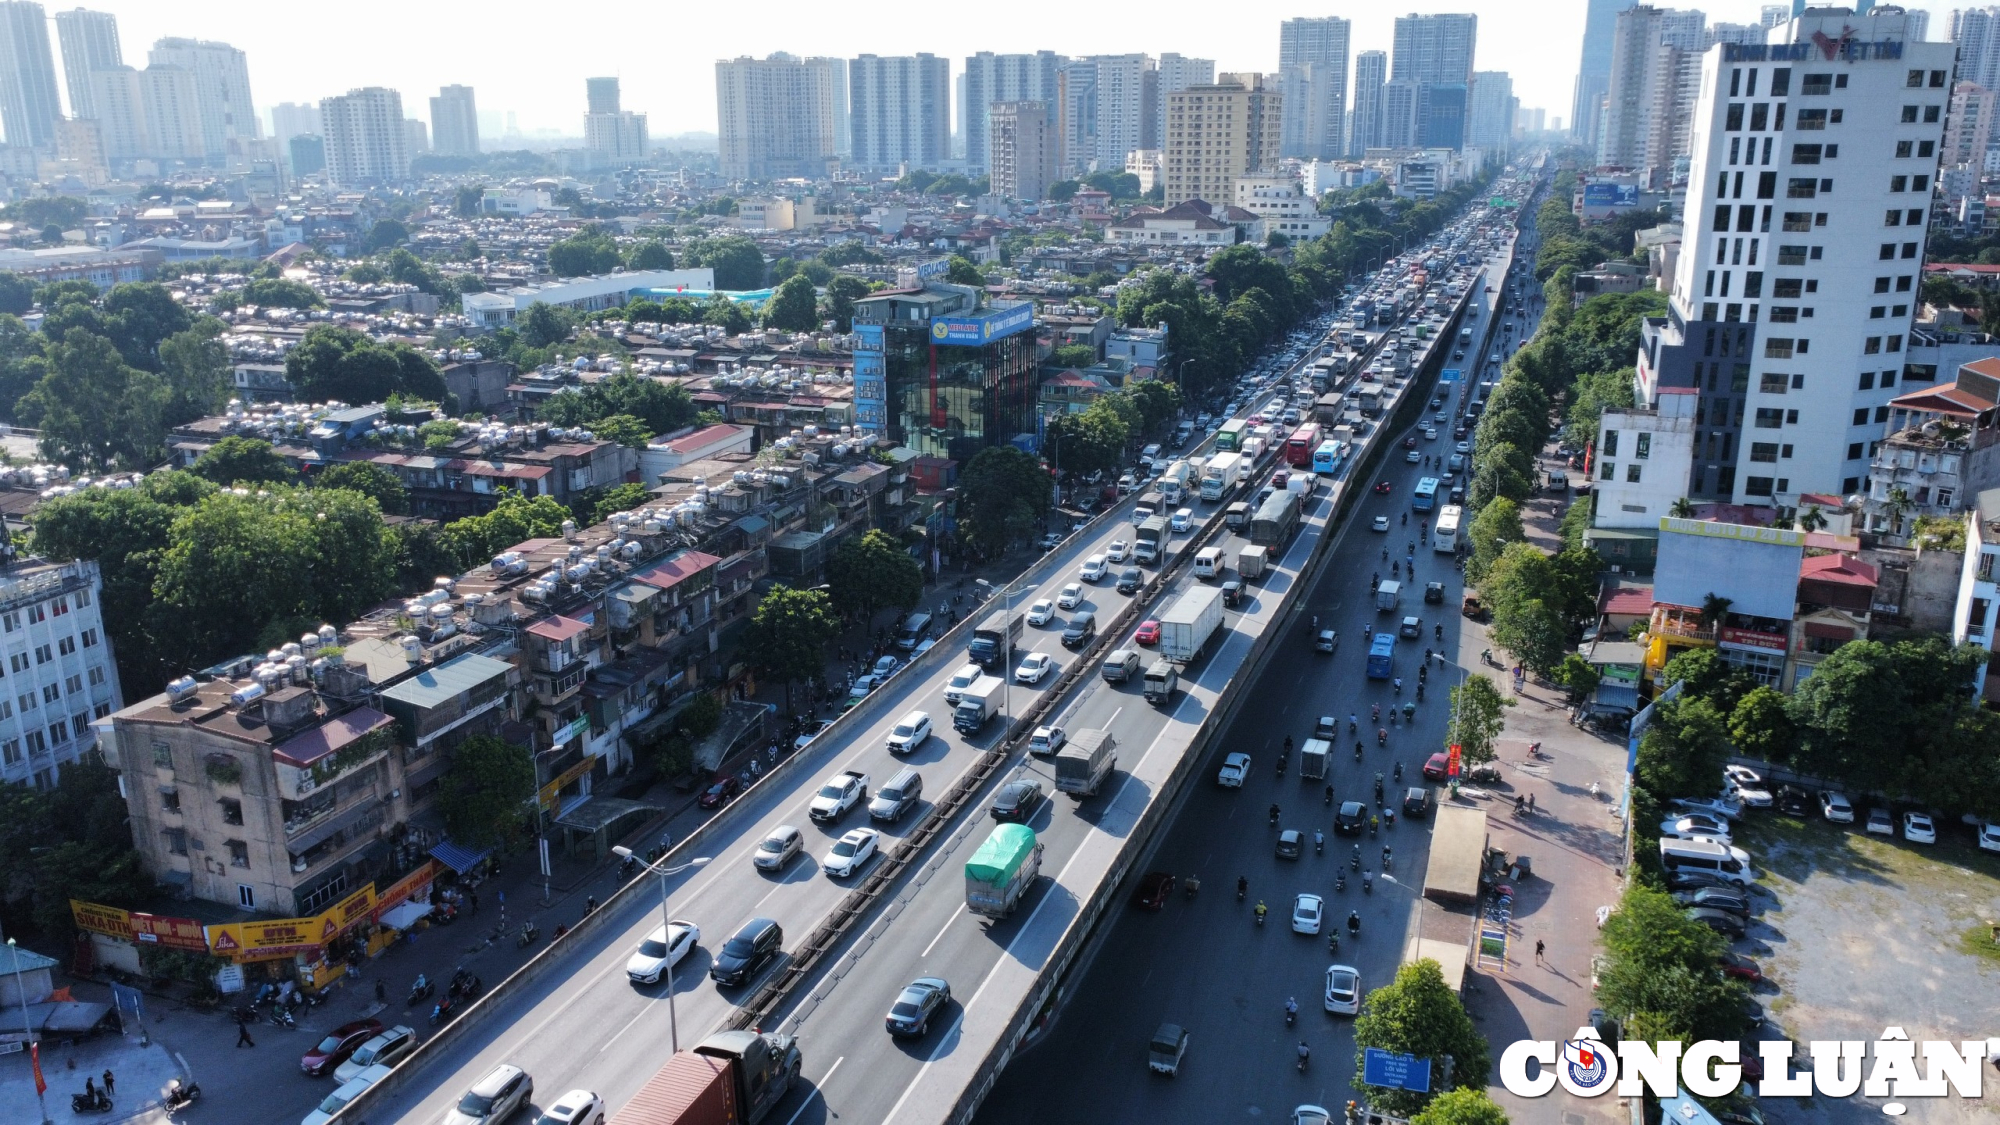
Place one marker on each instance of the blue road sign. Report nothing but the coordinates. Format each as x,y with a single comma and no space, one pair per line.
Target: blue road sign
1398,1072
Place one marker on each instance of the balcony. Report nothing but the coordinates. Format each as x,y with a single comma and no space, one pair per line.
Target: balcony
551,690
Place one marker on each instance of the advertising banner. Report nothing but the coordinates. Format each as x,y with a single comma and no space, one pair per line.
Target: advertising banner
276,938
97,919
174,933
982,328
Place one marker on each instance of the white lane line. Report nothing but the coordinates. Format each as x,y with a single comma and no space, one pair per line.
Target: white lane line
818,1087
941,930
643,1013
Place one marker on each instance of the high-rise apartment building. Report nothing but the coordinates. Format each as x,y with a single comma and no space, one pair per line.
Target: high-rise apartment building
419,135
1312,76
601,95
120,104
1175,72
1402,114
1976,34
222,83
294,119
366,142
775,116
1489,120
1771,15
1968,127
1808,201
611,134
1076,115
1594,70
899,111
991,78
89,42
172,100
455,122
1649,100
60,673
1435,52
1218,132
1022,160
29,103
1919,22
1371,71
1127,92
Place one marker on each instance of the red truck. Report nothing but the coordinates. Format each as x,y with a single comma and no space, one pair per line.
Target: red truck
730,1078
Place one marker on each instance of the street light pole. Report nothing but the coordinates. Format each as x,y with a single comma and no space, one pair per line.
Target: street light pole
666,916
21,993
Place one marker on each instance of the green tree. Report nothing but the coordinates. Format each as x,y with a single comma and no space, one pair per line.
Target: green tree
588,252
737,262
1478,714
343,365
726,315
872,571
370,480
544,324
1073,355
1577,677
515,519
1759,726
1523,591
651,254
21,363
467,199
961,271
1897,718
195,367
485,792
1682,753
621,498
1496,525
1418,1014
1062,191
623,429
64,211
1708,676
1002,492
93,409
1159,403
1462,1106
240,460
788,635
138,315
794,307
661,407
1660,970
17,295
279,293
383,235
841,293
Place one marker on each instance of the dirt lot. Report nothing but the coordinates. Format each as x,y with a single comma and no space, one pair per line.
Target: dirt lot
1859,933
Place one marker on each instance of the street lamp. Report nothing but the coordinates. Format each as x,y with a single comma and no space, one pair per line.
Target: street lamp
21,991
673,1018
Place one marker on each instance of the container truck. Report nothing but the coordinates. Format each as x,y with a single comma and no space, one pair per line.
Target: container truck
1220,475
1173,483
977,704
994,638
1150,540
1002,870
1189,624
1277,517
1388,596
1313,757
1161,682
730,1078
1251,562
1148,505
1369,398
1084,762
1236,515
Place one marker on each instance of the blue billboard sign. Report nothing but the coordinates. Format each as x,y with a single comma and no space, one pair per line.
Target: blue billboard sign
1610,195
1397,1072
871,380
982,328
1448,375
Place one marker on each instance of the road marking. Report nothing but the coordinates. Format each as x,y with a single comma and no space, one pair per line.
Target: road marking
643,1013
940,933
816,1090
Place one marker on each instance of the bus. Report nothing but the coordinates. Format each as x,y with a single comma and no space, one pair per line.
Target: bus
1330,456
1426,496
1382,656
1229,438
1299,450
1444,537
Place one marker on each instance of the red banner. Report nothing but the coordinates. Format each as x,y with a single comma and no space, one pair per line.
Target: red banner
1451,763
35,1053
174,933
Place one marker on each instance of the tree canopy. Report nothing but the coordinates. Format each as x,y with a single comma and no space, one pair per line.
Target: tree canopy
661,407
870,572
794,307
737,262
788,635
342,365
241,460
1418,1014
486,790
1002,492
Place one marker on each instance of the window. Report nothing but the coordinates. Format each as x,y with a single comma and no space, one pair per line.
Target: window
1769,419
1809,119
43,655
96,677
1812,84
1643,447
1881,414
1877,312
246,896
10,751
1777,348
1757,486
1791,255
1784,314
1781,81
11,620
51,692
1903,284
1861,417
66,646
1916,78
1764,451
177,840
1887,252
1760,116
170,799
18,661
1611,443
73,684
1895,344
1733,118
1753,280
1920,183
1904,148
1609,471
78,724
163,756
1913,217
82,598
36,614
1867,381
1801,189
1798,222
1853,454
232,810
1937,79
1944,497
58,733
1871,346
1774,383
1925,148
1909,115
26,701
1931,114
1805,154
1893,217
1786,287
1767,185
239,853
1881,285
59,607
90,638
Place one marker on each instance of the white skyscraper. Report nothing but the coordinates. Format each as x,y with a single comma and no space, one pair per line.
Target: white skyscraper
1128,92
29,104
899,111
1976,34
1312,75
1435,53
120,103
366,141
1649,98
294,119
89,42
172,99
991,78
612,134
1176,72
1800,271
1489,118
455,122
222,78
1371,70
775,116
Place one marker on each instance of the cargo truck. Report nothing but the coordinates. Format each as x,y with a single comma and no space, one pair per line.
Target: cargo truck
1388,596
1173,484
1149,505
1161,682
1236,515
730,1078
1313,757
1251,562
1220,475
1370,401
1189,624
977,704
1002,870
1084,762
1150,540
994,638
1277,517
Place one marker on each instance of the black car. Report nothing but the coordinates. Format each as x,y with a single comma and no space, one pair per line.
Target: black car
1081,628
1434,593
1232,594
1352,819
1721,921
1130,579
1017,801
1686,880
1291,843
1793,801
746,954
1417,801
921,999
1716,898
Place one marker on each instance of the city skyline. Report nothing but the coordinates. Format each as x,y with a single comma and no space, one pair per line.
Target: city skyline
544,97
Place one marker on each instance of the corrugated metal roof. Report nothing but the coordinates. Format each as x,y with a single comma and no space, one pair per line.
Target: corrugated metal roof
329,736
447,681
558,628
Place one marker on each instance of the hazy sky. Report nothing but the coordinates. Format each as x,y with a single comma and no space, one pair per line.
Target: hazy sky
665,53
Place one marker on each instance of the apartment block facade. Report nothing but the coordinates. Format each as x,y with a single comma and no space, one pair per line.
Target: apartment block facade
1216,134
59,677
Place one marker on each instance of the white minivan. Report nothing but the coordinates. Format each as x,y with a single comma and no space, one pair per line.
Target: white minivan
1730,863
910,733
960,680
1208,564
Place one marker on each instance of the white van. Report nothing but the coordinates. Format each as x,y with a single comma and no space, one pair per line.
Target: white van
1732,864
960,680
1208,564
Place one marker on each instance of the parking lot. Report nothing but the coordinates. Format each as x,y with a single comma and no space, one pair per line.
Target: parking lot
1858,933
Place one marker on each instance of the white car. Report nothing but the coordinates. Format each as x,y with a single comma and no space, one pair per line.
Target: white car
850,852
1041,612
1343,990
1118,550
910,733
1918,829
1308,911
1381,523
1046,741
1750,796
1742,775
1695,826
578,1107
778,848
1430,433
1836,807
1071,596
1714,806
1413,457
1032,669
667,945
965,677
1095,568
346,1092
1462,448
1183,519
1989,836
1235,767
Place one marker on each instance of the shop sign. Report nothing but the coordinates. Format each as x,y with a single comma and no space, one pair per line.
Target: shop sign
173,933
98,919
412,887
546,798
287,937
1751,638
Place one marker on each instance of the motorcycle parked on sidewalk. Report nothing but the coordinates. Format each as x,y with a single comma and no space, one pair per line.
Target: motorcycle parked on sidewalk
92,1101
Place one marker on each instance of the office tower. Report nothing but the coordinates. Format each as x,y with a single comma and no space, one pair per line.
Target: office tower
175,124
1402,123
601,95
1919,25
1371,70
418,135
991,78
1218,132
455,122
1968,127
294,119
1489,121
1976,34
1076,116
1022,160
1435,52
29,104
1176,72
89,42
1127,108
899,111
1793,294
775,116
307,152
222,81
611,135
1312,72
1594,71
366,142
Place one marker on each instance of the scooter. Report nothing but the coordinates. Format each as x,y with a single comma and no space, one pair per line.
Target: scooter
282,1017
1319,843
529,933
1291,1013
179,1097
443,1010
1340,882
1368,882
420,990
95,1101
1354,924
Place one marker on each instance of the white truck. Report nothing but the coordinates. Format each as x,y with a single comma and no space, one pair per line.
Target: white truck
1189,624
1388,596
977,703
841,792
1173,483
1084,762
1313,757
1251,562
1220,475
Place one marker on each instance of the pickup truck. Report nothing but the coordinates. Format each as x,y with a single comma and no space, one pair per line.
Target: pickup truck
841,792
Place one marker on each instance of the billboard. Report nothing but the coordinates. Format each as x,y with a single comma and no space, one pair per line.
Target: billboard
982,328
1756,568
871,380
1610,195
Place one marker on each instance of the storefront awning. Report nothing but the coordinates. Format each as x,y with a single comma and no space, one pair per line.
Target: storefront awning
406,915
457,858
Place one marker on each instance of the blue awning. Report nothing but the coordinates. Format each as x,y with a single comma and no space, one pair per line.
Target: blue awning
458,859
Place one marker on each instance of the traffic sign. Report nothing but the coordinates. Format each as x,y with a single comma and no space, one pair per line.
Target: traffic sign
1397,1072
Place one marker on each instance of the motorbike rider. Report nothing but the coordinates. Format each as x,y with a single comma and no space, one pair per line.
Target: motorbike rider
1274,812
1291,1007
1354,921
1260,911
1242,885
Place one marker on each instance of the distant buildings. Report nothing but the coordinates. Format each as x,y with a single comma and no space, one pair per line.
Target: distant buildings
89,43
899,111
366,141
990,79
60,673
1312,74
1371,71
29,103
777,117
1217,133
1594,71
1434,54
455,122
1022,163
612,135
221,76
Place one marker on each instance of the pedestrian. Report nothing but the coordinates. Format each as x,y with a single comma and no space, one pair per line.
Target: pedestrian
243,1034
110,1083
381,991
1539,947
89,1089
472,897
1531,802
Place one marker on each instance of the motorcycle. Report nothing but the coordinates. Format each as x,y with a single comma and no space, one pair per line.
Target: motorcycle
93,1101
1260,912
443,1010
179,1097
1304,1054
1368,882
1340,882
1242,887
529,932
1354,858
1291,1012
1354,924
282,1017
1319,843
1332,942
1388,859
1329,796
1399,771
1281,765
